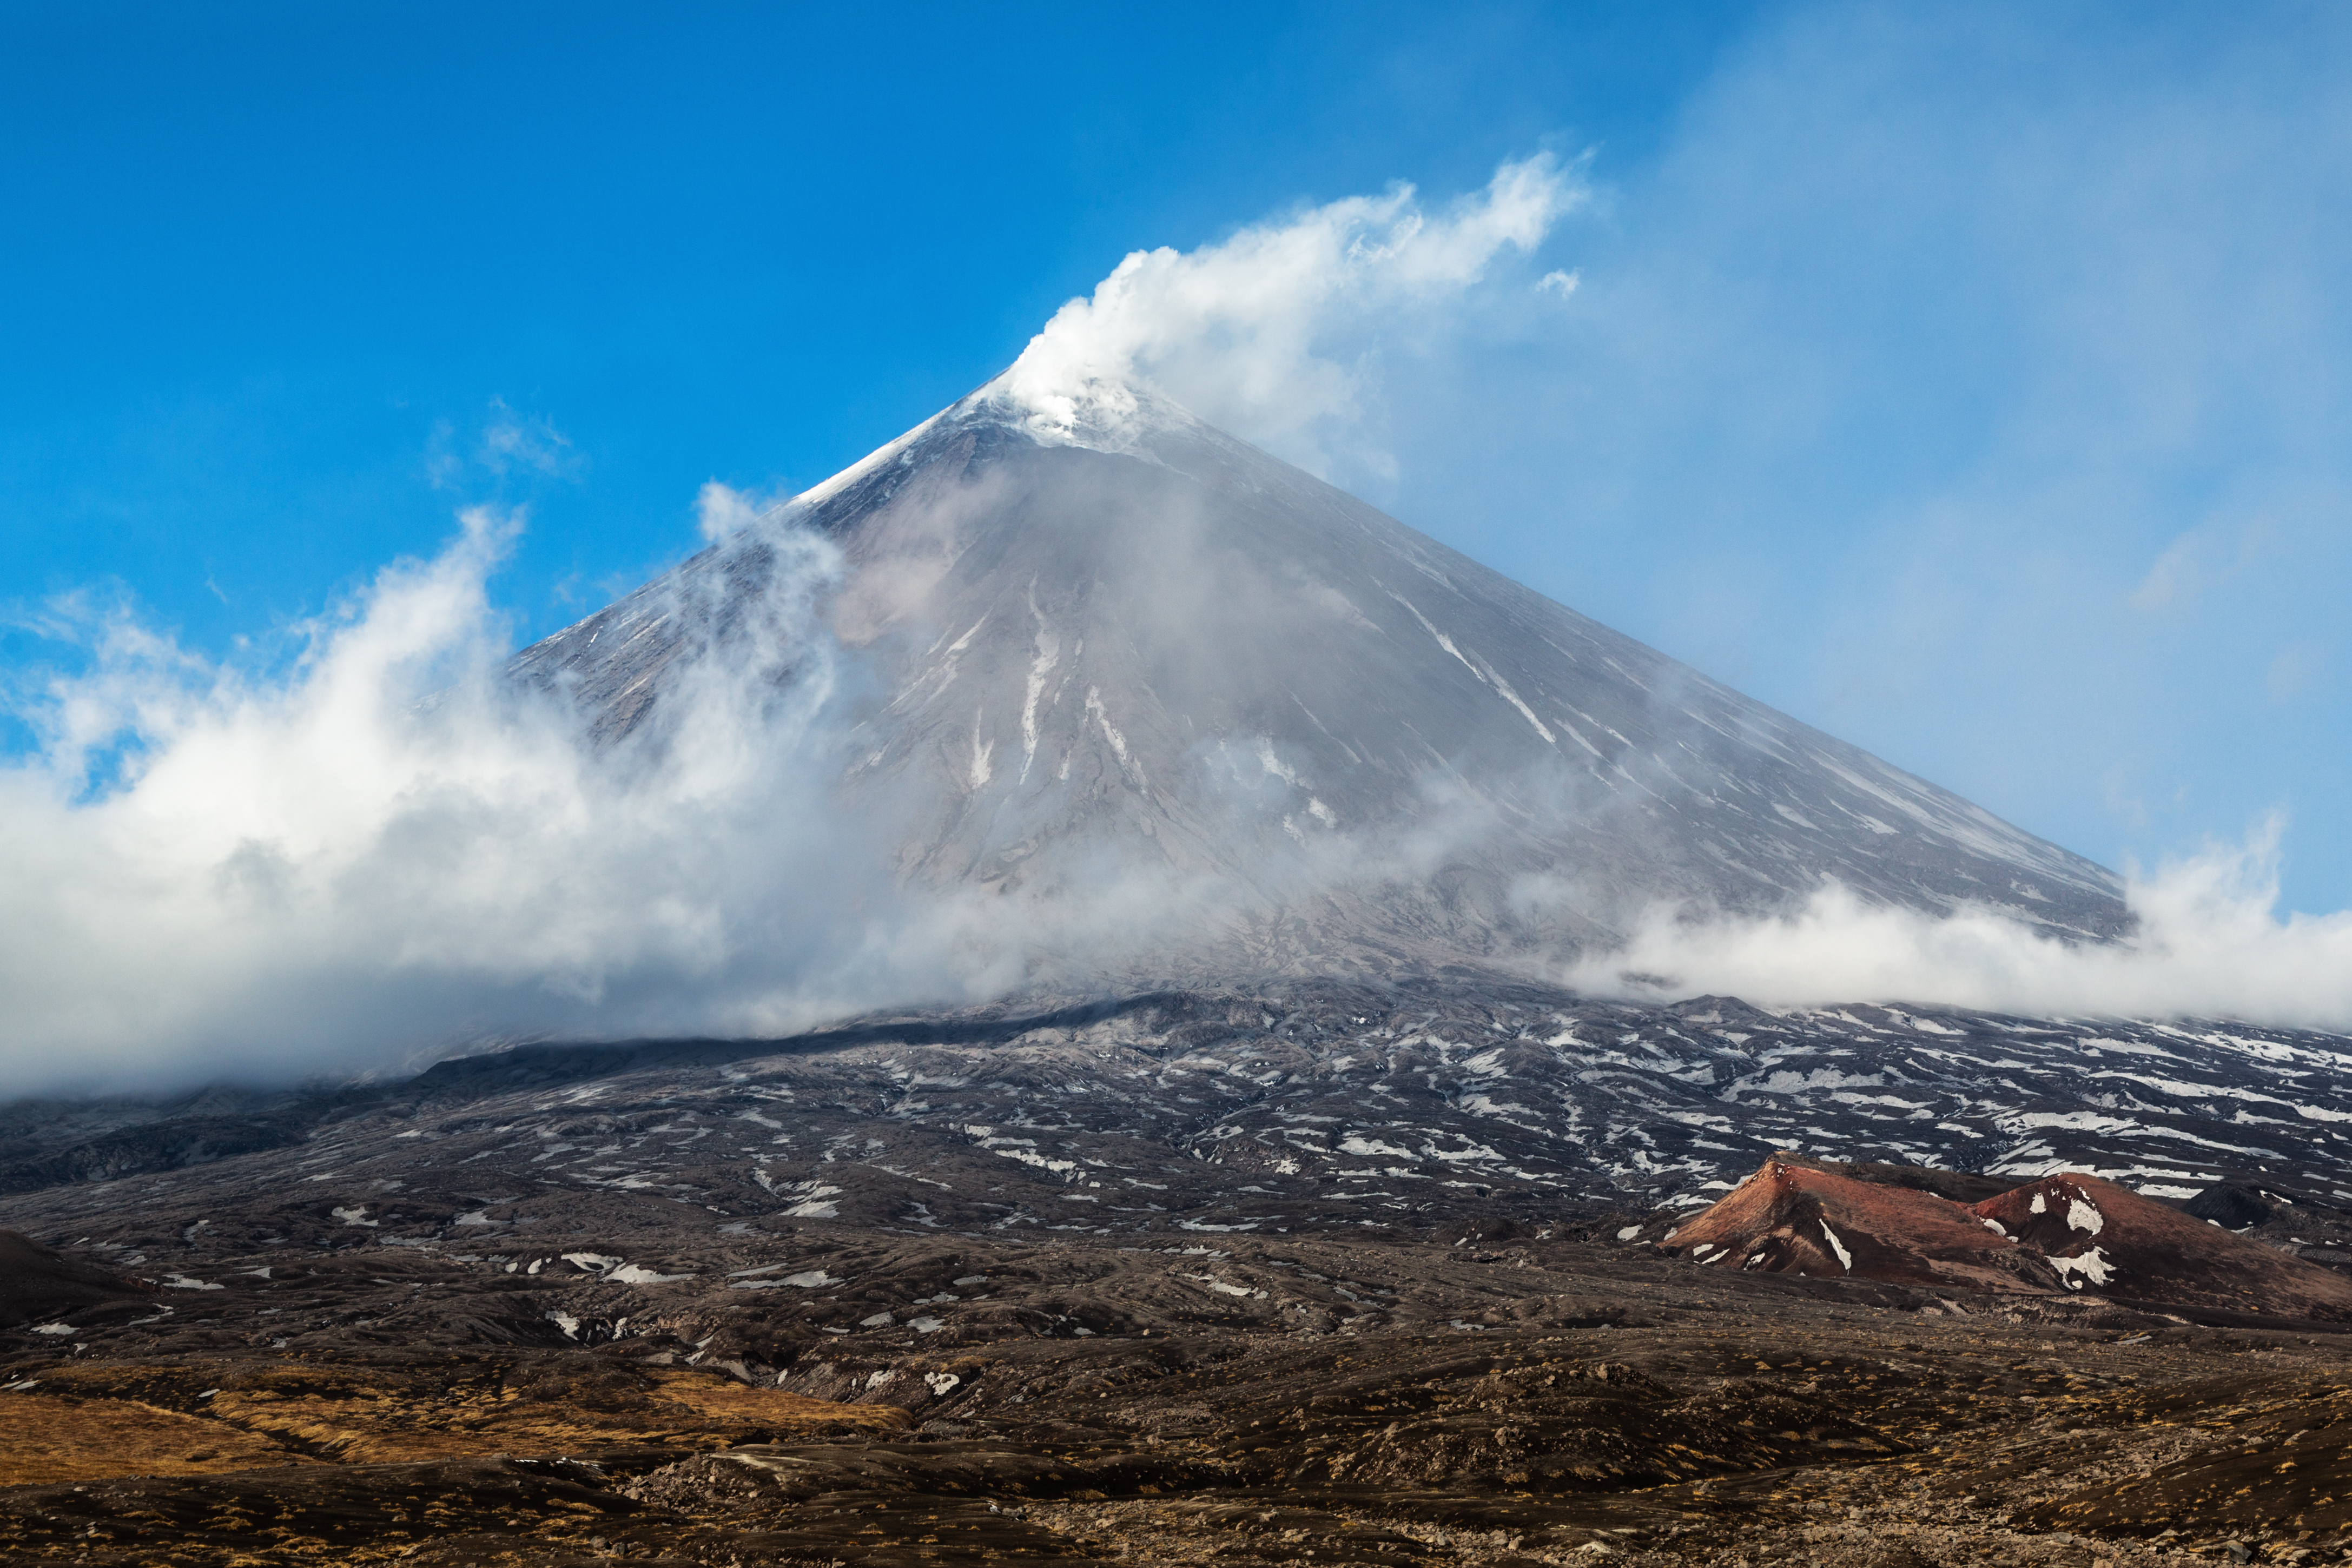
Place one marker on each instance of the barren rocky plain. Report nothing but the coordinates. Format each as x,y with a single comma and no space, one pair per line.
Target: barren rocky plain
1322,1274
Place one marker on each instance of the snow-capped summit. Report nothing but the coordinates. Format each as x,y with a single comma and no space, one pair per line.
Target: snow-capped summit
1113,647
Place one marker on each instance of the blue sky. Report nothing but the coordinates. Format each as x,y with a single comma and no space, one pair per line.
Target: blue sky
1971,383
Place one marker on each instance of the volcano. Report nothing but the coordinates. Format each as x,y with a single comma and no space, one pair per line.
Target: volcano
1104,644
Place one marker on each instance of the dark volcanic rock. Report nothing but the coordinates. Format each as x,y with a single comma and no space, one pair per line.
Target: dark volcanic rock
1235,1399
39,1284
174,1144
2237,1205
334,1511
1465,1106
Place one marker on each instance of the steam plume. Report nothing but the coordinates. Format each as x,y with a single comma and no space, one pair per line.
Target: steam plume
1271,331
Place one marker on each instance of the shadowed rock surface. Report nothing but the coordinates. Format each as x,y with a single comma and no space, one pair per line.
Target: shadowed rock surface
38,1283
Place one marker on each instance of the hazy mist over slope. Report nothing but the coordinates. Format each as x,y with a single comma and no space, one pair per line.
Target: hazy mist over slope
1114,643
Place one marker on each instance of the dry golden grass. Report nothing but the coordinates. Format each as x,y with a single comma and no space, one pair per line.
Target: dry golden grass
45,1440
723,1400
98,1420
692,1416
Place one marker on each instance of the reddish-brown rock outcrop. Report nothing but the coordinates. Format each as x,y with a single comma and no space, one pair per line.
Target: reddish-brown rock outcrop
1795,1216
2066,1233
2109,1241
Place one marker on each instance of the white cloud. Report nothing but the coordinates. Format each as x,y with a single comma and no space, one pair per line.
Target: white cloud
518,441
391,847
2197,561
721,511
1272,334
506,442
2211,944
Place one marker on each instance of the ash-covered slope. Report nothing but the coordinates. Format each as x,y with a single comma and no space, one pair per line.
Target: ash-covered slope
1282,1106
1128,643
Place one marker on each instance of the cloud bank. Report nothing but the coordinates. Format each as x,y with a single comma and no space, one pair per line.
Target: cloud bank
2209,944
392,847
395,850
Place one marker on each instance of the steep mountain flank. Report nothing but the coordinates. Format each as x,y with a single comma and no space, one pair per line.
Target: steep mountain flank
1134,650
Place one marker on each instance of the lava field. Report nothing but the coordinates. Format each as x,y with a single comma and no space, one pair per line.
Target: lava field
1312,1277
